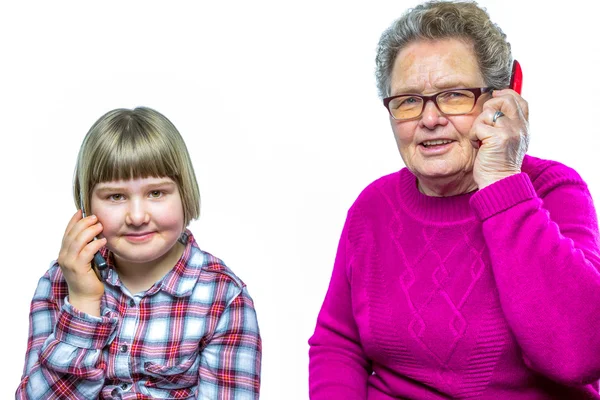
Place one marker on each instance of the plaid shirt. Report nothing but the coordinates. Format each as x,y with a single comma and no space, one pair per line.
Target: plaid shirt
193,334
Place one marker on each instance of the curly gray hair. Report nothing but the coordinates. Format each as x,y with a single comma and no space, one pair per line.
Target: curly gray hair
444,19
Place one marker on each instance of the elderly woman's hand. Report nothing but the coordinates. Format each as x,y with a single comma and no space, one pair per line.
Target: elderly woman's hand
502,145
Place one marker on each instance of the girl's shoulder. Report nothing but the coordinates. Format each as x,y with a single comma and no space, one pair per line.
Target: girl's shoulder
52,285
205,275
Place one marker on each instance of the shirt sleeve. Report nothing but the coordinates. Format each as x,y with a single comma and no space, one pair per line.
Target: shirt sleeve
338,367
231,360
544,250
64,348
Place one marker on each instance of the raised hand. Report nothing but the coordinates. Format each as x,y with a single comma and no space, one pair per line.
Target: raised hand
503,143
75,260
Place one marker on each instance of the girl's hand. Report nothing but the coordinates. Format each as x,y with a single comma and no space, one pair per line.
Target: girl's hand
502,145
75,260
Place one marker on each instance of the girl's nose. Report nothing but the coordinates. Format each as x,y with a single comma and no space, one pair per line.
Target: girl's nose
137,214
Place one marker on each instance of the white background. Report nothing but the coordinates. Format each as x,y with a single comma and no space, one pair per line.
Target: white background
278,106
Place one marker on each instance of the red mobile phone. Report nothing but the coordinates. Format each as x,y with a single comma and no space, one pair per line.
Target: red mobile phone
516,77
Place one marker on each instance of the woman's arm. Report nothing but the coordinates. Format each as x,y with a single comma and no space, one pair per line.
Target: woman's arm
546,262
64,348
230,363
338,368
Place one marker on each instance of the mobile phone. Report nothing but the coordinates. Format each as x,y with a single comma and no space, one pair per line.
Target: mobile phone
516,77
98,263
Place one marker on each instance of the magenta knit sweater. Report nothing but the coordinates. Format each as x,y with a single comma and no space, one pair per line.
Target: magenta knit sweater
488,295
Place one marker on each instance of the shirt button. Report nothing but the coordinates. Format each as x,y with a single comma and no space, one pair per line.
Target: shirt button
131,303
114,392
124,348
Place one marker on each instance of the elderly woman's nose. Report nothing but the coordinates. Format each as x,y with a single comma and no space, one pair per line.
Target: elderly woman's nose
431,115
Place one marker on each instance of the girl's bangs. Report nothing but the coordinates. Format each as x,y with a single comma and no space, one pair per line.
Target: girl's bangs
138,157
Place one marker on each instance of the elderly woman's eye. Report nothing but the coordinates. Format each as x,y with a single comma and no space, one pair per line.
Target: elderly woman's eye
407,102
455,94
456,97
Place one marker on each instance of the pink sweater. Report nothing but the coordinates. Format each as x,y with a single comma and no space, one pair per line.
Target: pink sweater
488,295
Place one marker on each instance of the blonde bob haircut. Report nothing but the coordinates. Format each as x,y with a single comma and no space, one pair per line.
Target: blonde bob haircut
129,144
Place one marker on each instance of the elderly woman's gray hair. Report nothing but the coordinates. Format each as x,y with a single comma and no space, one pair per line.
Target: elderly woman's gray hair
440,20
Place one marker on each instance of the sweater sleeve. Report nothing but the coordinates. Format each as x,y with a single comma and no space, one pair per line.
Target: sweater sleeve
338,367
64,349
545,259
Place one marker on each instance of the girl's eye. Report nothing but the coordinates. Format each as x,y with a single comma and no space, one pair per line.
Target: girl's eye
155,193
116,197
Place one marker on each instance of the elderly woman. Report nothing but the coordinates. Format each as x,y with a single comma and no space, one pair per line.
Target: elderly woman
474,271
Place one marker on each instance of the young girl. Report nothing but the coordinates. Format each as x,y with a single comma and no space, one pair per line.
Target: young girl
164,319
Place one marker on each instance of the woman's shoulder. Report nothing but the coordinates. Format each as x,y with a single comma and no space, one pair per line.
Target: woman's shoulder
545,175
380,188
376,202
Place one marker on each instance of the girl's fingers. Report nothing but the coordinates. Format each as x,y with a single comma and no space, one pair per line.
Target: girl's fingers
72,254
74,219
88,252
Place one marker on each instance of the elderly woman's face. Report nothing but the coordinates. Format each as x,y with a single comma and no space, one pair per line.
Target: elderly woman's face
428,67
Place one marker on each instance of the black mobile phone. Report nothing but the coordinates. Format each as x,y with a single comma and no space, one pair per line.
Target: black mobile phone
98,263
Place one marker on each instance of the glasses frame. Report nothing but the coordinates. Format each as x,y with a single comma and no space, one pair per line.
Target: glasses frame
477,92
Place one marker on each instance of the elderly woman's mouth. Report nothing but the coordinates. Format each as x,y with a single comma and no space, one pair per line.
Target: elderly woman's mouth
436,143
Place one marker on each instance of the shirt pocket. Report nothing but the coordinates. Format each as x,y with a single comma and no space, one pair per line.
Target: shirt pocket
175,380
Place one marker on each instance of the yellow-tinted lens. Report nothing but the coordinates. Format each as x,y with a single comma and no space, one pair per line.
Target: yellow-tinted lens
406,107
456,101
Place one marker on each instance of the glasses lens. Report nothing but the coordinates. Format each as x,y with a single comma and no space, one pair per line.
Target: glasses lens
456,101
406,107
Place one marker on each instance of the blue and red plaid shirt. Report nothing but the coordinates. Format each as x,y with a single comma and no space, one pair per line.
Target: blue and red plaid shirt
193,334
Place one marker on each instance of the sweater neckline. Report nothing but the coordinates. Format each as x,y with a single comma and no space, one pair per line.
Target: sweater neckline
433,209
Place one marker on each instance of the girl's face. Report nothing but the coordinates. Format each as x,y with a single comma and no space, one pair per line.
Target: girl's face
142,219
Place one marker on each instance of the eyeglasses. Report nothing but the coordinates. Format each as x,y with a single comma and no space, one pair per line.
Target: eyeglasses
449,102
